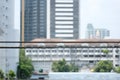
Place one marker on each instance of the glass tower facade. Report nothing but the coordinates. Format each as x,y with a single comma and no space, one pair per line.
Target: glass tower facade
35,19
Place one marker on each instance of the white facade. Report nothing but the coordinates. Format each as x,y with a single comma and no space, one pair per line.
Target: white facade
42,58
63,32
8,57
64,19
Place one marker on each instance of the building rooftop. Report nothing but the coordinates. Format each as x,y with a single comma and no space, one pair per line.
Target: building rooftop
77,42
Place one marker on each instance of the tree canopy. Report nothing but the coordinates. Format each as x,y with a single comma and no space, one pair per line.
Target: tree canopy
105,51
1,74
25,67
103,66
62,66
117,69
11,75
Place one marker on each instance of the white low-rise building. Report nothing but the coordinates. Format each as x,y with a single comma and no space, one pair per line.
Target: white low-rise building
84,53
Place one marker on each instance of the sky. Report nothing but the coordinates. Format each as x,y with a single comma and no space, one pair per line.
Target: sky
17,14
100,13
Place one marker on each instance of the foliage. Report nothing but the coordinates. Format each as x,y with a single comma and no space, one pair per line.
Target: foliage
1,74
105,51
117,69
25,67
74,68
103,66
62,66
11,75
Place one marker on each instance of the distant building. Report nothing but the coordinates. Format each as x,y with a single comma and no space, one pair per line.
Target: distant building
97,33
82,52
64,19
8,57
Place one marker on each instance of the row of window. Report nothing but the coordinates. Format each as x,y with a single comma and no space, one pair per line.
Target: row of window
4,15
71,57
48,56
66,51
34,21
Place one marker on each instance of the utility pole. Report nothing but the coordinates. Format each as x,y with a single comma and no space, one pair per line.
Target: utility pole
22,26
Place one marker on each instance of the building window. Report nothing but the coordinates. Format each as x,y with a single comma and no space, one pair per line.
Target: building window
90,55
103,55
117,65
111,51
79,50
66,50
117,56
29,50
34,50
6,8
6,26
42,51
85,55
91,50
91,61
84,50
97,55
97,51
60,50
6,17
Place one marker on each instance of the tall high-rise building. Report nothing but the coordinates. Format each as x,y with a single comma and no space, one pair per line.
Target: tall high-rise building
98,33
35,19
8,57
50,19
64,19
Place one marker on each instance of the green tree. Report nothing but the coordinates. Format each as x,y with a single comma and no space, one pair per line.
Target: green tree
55,66
1,74
62,66
74,68
103,66
117,69
105,51
11,75
25,67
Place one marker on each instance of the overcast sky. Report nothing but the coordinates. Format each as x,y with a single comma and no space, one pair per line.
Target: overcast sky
101,13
